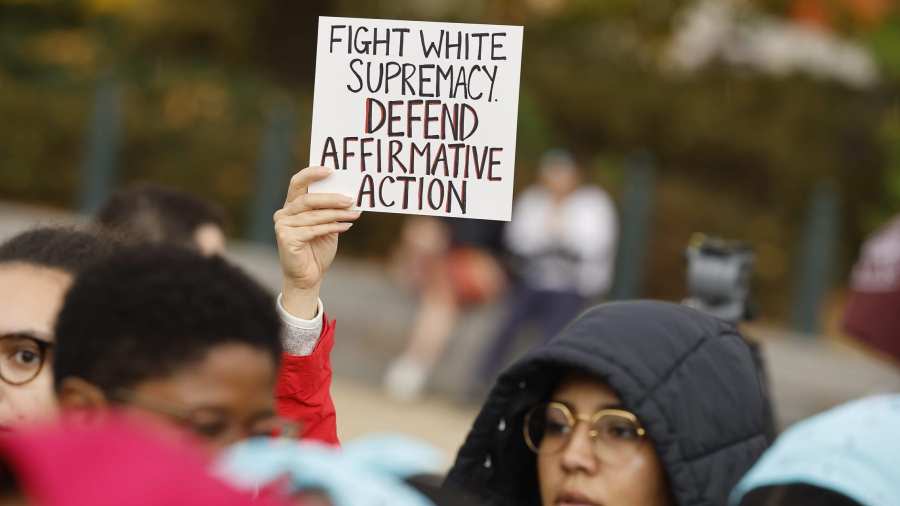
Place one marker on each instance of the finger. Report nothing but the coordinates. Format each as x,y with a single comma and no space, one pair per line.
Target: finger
306,234
300,181
317,217
304,203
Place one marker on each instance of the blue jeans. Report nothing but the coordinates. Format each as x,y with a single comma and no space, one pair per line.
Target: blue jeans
550,310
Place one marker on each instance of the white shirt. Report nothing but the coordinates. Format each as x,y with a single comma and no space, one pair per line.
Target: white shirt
566,246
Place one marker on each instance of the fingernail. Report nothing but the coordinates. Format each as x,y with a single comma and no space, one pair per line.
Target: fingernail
346,200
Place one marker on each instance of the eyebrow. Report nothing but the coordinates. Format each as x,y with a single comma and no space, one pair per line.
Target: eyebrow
599,407
34,334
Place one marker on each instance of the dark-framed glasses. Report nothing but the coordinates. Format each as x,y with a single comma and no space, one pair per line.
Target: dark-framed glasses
211,423
22,357
616,434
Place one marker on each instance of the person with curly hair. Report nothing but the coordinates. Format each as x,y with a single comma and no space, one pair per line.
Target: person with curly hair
186,339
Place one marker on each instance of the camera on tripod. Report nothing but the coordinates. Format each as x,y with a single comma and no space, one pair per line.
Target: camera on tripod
719,272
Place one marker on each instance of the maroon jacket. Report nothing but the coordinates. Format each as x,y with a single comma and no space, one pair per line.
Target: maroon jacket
873,311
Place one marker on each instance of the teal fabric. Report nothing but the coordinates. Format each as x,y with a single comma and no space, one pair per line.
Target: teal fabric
367,472
853,449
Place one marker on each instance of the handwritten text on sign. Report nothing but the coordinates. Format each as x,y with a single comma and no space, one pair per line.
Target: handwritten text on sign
418,117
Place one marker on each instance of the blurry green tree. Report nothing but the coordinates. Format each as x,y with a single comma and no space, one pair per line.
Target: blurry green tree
737,151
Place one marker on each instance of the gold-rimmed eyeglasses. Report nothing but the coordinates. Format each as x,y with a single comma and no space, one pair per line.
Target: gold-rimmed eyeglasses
616,434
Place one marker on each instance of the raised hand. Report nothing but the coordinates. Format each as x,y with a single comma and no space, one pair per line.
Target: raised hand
306,230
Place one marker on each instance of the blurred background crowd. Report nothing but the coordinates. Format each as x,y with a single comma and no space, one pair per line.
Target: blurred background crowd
774,122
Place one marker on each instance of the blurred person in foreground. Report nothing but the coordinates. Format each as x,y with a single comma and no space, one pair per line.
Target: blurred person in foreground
371,471
151,213
563,236
169,335
872,314
115,462
452,264
847,456
633,404
36,269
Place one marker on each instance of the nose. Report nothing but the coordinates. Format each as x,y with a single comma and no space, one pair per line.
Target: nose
578,454
227,439
7,409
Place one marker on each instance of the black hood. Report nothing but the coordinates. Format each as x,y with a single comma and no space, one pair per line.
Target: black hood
689,377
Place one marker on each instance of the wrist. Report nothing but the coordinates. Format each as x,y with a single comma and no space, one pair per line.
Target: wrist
302,302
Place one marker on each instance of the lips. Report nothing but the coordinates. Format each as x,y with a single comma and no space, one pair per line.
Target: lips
574,498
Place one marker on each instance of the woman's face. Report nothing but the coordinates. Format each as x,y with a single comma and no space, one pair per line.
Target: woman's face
575,476
30,299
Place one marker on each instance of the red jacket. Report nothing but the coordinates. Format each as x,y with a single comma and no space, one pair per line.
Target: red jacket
303,391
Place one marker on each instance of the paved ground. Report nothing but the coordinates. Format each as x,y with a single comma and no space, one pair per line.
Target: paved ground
808,374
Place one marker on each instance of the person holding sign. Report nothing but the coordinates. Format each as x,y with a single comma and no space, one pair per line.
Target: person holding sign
306,230
640,376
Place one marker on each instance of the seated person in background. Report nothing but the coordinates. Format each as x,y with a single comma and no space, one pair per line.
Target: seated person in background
452,265
632,404
150,213
848,456
168,333
36,269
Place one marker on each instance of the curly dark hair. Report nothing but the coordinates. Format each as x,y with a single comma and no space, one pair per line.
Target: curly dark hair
148,312
65,248
146,212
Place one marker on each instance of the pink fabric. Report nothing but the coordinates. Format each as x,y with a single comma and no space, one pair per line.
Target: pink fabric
114,463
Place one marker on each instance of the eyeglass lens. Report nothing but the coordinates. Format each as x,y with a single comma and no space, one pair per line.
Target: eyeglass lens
550,428
21,359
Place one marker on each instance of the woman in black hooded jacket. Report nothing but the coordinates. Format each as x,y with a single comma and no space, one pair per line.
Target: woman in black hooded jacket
633,404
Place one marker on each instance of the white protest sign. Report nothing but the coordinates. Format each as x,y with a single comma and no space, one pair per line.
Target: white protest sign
417,117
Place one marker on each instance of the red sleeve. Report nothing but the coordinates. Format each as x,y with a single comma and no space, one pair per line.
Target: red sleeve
303,392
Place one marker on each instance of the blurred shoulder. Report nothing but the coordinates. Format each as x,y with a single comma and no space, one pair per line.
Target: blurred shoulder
592,197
